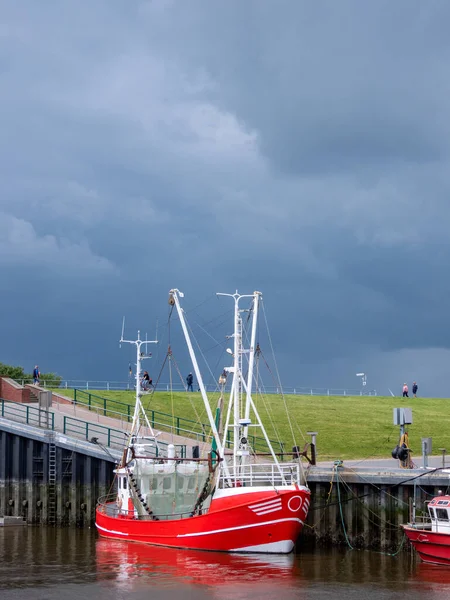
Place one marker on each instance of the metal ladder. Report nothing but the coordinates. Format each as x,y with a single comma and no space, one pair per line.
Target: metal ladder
51,511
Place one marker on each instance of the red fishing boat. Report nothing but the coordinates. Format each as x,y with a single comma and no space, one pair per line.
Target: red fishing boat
431,538
218,500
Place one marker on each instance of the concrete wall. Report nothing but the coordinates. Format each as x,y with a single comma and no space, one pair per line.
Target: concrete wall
366,508
24,481
360,507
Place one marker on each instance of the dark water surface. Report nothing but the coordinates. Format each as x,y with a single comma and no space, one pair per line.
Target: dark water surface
50,564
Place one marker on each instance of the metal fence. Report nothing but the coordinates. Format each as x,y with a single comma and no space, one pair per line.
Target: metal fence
177,387
79,428
29,415
162,421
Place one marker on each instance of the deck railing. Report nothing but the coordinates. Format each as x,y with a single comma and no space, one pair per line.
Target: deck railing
260,474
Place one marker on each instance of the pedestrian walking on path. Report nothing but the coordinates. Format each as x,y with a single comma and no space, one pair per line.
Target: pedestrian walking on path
190,381
414,389
405,390
36,375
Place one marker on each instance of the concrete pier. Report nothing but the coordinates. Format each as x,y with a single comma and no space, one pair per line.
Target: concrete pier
364,507
48,477
82,472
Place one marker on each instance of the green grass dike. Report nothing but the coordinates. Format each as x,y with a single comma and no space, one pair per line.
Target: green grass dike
349,427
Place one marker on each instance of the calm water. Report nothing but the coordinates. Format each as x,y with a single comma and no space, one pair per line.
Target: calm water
50,564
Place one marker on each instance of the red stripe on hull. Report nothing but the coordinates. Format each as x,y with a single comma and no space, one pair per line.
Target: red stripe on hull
233,523
432,547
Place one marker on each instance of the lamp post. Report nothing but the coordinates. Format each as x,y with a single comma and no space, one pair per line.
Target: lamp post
363,380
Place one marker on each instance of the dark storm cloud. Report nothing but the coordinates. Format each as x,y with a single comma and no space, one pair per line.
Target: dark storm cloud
297,148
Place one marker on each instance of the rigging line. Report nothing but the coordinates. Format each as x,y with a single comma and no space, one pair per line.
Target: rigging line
268,408
284,402
187,310
202,355
277,372
379,521
266,403
368,509
340,510
207,333
224,314
177,368
182,381
217,363
164,362
375,453
194,308
326,504
394,485
262,394
393,527
222,343
169,353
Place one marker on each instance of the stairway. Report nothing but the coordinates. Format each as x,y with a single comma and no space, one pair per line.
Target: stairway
34,392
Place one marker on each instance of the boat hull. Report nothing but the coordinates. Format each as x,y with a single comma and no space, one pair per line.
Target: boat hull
433,548
238,520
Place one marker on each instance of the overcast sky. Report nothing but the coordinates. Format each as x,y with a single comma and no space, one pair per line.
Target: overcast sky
298,148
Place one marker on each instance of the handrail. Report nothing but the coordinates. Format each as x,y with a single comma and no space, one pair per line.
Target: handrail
31,415
164,421
129,385
37,417
114,437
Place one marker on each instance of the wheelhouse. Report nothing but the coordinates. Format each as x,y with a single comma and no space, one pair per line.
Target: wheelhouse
439,511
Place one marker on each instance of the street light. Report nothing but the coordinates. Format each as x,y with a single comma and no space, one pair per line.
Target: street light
363,378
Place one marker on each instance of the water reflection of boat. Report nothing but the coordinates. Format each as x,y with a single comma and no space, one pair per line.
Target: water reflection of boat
432,574
133,560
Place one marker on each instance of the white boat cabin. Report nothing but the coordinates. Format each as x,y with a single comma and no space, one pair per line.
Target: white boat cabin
439,510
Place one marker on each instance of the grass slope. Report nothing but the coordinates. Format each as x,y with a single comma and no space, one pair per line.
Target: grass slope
348,427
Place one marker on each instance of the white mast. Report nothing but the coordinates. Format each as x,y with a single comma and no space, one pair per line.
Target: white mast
236,369
176,295
251,360
239,383
140,356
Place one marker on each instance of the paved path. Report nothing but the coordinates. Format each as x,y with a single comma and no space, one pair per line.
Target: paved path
94,417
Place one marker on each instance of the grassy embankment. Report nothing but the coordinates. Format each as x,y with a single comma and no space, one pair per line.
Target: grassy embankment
348,427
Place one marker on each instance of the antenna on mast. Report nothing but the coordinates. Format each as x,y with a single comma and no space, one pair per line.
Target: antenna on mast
123,329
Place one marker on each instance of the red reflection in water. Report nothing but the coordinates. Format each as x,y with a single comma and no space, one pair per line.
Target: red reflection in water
126,560
435,574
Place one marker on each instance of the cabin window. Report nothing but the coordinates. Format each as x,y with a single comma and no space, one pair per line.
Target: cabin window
167,482
442,514
432,514
124,481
